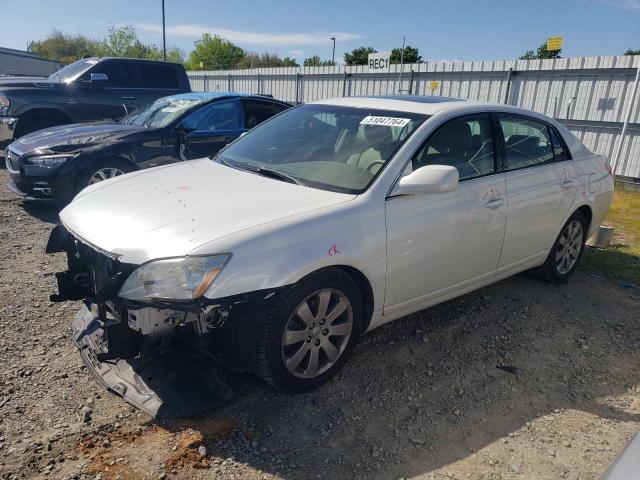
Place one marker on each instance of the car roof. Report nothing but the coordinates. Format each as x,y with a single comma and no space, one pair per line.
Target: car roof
204,96
424,104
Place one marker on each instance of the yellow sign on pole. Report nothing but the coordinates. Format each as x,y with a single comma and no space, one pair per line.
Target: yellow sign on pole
434,85
554,43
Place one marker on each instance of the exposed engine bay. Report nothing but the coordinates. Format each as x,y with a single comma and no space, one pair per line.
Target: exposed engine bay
162,357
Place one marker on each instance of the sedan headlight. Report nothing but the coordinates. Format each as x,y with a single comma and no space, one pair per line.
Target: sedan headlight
184,278
49,161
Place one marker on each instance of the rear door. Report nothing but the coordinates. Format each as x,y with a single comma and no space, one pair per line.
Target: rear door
208,129
156,80
443,242
541,186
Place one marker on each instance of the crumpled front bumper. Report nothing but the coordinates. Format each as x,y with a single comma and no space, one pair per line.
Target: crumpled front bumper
171,383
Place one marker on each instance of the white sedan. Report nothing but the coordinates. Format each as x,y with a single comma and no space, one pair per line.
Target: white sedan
327,221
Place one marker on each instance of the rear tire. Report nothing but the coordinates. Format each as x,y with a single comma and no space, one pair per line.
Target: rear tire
310,332
567,250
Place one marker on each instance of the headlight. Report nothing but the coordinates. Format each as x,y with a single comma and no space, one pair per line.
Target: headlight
185,278
49,161
4,104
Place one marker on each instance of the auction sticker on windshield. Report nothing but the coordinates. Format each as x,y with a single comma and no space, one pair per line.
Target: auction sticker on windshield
387,121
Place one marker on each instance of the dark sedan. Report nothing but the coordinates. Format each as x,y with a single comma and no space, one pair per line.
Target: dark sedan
56,163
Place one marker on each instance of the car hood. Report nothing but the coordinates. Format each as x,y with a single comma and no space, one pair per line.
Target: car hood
66,137
171,210
21,82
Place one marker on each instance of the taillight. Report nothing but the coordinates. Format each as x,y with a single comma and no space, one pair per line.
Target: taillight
607,165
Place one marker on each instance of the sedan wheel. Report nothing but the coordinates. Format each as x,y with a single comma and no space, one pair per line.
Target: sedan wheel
569,247
317,333
309,330
104,174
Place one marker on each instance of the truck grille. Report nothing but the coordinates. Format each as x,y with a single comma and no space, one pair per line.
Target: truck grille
12,161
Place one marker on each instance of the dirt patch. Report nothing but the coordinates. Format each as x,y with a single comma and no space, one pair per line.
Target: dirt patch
426,397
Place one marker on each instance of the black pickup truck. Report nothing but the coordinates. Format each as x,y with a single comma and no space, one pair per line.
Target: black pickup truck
90,89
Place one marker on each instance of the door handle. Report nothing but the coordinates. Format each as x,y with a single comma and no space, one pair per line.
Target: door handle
567,184
128,98
495,203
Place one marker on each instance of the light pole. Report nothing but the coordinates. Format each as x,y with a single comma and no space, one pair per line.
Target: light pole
164,44
333,54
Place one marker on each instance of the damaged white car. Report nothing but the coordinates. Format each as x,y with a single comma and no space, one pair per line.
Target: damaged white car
328,220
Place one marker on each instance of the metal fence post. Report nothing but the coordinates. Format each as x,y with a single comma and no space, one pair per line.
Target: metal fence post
205,83
228,82
259,85
623,132
298,76
508,92
410,88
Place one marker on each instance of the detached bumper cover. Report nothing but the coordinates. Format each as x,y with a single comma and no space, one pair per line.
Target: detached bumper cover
171,384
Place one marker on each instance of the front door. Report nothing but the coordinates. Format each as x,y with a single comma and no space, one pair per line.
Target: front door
441,242
207,130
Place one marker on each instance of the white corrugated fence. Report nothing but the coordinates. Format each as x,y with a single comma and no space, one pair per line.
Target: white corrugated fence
598,98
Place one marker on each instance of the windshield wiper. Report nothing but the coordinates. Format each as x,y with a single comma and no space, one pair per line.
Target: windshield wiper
267,172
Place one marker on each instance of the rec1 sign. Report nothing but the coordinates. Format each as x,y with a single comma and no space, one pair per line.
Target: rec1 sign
379,62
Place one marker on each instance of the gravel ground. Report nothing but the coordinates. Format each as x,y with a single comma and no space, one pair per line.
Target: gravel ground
518,380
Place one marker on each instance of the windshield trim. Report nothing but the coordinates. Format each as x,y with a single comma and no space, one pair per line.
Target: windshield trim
422,117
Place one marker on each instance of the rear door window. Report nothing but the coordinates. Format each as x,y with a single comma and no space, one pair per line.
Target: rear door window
257,111
559,152
527,141
159,76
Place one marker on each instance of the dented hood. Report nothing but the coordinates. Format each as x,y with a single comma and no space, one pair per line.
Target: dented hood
77,134
169,211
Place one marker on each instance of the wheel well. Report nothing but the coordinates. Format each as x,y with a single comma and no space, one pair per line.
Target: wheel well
55,116
365,289
586,211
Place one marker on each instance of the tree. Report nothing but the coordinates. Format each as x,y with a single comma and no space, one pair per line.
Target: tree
541,53
359,56
632,52
64,48
214,53
119,42
316,62
261,60
411,55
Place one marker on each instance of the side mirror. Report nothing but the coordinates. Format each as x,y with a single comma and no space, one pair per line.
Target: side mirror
97,80
429,179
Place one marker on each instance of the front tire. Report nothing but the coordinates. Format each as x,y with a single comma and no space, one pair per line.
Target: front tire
102,171
310,332
566,252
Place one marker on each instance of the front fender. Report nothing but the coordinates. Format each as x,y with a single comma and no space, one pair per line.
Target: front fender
282,252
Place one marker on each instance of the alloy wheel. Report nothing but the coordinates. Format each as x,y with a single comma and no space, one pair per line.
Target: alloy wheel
317,333
569,247
104,174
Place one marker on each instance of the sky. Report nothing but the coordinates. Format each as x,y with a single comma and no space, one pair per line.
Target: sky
442,30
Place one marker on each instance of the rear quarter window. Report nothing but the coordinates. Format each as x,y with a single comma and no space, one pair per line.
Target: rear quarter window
159,76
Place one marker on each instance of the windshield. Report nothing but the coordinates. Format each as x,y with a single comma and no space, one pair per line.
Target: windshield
72,70
324,146
161,112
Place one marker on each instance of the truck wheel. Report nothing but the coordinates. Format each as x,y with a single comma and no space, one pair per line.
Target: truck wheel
310,332
102,171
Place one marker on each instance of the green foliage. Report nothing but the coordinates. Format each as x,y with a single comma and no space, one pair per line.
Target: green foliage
64,48
632,52
411,55
262,60
119,42
316,62
541,53
359,56
214,53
